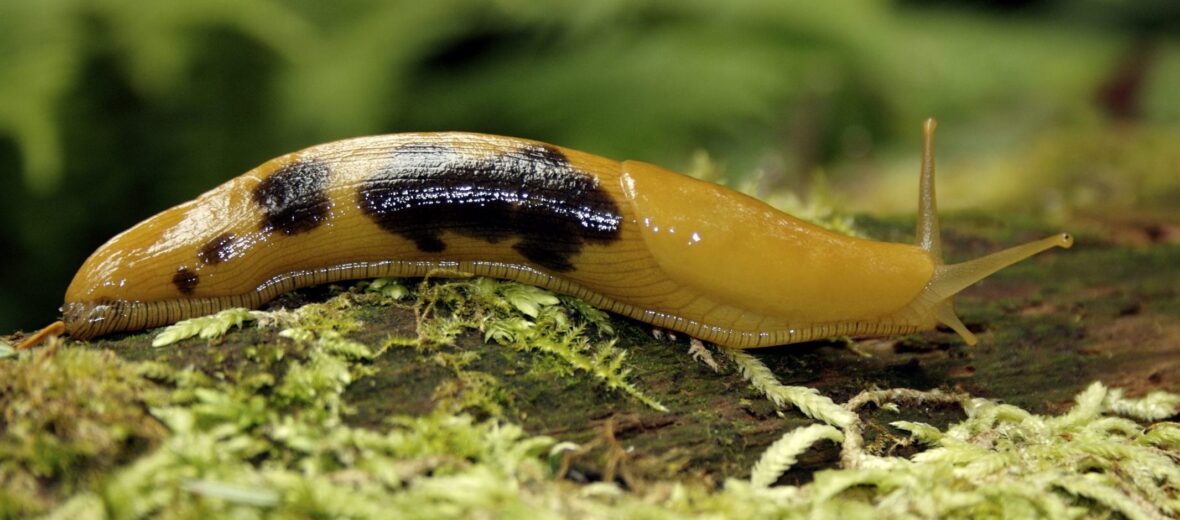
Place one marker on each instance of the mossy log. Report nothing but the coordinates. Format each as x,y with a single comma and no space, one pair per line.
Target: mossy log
1047,328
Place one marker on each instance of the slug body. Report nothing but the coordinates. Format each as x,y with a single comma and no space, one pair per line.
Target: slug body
628,237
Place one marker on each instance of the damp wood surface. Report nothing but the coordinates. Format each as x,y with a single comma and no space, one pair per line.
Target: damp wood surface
1106,310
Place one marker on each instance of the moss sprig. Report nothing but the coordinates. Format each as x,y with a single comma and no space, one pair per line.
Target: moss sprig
205,327
785,452
1001,460
1152,407
807,400
527,318
552,333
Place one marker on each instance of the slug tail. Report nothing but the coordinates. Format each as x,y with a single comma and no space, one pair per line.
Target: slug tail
949,280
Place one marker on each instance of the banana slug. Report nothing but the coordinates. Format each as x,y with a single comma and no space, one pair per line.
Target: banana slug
628,237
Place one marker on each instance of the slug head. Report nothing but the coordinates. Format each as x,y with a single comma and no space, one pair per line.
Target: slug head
179,254
936,300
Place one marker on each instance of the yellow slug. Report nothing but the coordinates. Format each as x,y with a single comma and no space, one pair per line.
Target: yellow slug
628,237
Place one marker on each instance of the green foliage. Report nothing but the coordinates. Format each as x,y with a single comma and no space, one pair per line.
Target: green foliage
403,65
201,91
597,319
528,299
1100,168
231,449
337,315
275,444
316,385
205,327
82,81
471,390
290,417
311,466
68,415
526,318
1085,453
388,288
807,400
1152,407
1000,461
785,452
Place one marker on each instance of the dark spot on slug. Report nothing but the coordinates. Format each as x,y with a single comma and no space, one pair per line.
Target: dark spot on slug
218,250
185,280
532,193
554,255
293,198
427,242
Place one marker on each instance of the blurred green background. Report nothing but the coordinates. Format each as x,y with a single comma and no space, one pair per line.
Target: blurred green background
112,110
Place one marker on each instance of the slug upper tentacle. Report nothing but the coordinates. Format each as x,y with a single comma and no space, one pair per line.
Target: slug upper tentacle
629,237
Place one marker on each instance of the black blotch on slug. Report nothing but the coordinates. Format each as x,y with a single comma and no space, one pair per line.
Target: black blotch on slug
532,193
218,250
185,280
294,198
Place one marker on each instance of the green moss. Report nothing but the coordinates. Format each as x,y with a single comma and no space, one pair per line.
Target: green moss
70,415
261,422
523,318
233,450
1000,461
206,327
275,442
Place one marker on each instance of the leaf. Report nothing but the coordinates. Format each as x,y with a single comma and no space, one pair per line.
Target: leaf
391,288
507,330
528,299
596,317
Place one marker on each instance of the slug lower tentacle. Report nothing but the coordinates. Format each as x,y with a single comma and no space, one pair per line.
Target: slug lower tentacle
628,237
